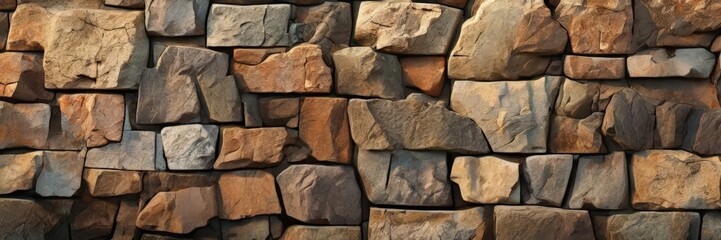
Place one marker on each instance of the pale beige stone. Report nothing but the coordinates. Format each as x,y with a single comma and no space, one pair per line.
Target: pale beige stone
488,180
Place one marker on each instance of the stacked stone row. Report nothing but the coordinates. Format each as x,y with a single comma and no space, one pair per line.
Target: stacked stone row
313,119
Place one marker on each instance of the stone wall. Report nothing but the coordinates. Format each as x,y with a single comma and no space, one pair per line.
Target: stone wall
312,119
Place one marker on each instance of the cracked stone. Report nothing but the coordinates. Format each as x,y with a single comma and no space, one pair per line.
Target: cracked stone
19,171
648,225
328,25
248,26
581,67
247,193
472,223
86,120
28,219
176,18
535,222
597,27
190,147
623,131
324,127
587,192
253,147
671,125
24,125
664,23
684,62
22,77
570,135
136,151
488,180
545,178
62,174
180,211
360,71
110,183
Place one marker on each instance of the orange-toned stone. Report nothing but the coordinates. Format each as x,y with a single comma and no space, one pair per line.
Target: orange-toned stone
91,120
424,73
108,183
179,212
246,194
324,128
253,56
22,77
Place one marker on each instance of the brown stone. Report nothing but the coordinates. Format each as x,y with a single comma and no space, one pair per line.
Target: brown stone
329,25
62,174
135,4
28,219
125,219
580,67
648,225
671,124
545,178
22,77
711,227
24,125
7,4
702,133
86,120
93,218
578,99
701,94
247,193
251,110
253,147
159,44
625,132
19,171
469,224
570,135
534,222
249,229
597,27
180,211
173,18
663,23
110,183
488,180
425,73
254,56
325,129
300,232
279,112
156,182
4,27
360,71
611,193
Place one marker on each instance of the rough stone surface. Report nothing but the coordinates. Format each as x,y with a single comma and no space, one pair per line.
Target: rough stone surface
506,40
248,26
629,121
597,27
24,125
156,182
360,71
514,115
27,219
425,73
611,193
324,128
4,27
159,44
472,223
180,211
279,112
711,227
545,178
86,120
31,21
246,194
402,177
126,3
569,135
300,232
248,229
702,139
406,28
581,67
671,125
488,180
648,225
662,23
22,76
109,183
128,210
61,175
176,18
92,217
327,195
684,62
578,99
329,25
19,171
135,152
534,222
252,148
190,147
699,94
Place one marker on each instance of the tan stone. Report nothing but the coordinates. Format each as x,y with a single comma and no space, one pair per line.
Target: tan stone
62,174
325,129
609,193
648,225
329,25
135,4
534,222
254,56
156,182
570,135
24,125
176,18
247,193
425,73
488,180
252,147
597,27
248,26
580,67
279,112
22,77
578,99
669,23
110,183
180,211
361,71
684,62
300,232
159,44
87,120
469,224
19,171
701,94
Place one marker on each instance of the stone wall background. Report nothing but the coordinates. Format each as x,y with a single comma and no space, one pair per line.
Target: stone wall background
313,119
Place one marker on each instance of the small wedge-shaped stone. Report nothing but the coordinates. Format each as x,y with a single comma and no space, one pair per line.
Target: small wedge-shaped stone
22,77
535,222
385,125
176,18
570,135
27,219
180,211
703,139
360,71
598,27
402,177
113,52
62,174
648,225
327,195
671,125
136,151
488,180
406,28
629,121
469,224
545,178
300,232
19,171
514,115
581,67
684,62
189,147
506,40
324,128
252,147
670,23
611,193
86,120
110,183
24,125
248,26
578,99
246,194
675,179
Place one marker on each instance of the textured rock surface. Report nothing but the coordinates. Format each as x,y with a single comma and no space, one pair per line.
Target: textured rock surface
156,182
299,232
545,178
251,148
246,194
532,222
329,25
403,177
648,225
569,135
126,3
405,27
109,183
19,171
176,18
327,195
699,94
473,223
702,139
27,219
624,131
384,125
279,112
513,115
580,67
597,27
611,193
24,125
135,152
86,120
425,73
23,78
711,226
251,228
488,180
190,147
4,27
671,125
360,71
324,128
684,62
578,99
92,217
180,211
661,23
62,174
248,26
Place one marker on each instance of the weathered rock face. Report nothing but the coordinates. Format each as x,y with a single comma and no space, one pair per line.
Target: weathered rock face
299,232
688,181
533,222
671,125
661,23
425,73
403,177
626,132
597,27
315,194
578,99
246,194
22,77
360,71
514,115
251,148
488,180
300,70
279,112
569,135
19,171
248,26
126,3
173,18
135,152
251,228
684,62
545,178
406,28
27,219
699,94
156,182
328,25
473,223
611,193
4,27
711,226
580,67
648,225
31,21
324,128
385,125
128,210
112,56
109,183
180,211
190,147
86,120
506,40
24,125
61,175
703,139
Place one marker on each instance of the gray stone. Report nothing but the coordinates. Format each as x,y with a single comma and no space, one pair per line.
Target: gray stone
702,139
629,122
176,18
190,147
135,152
570,135
279,112
62,174
248,26
247,229
711,227
251,110
329,25
578,99
601,182
28,219
545,178
19,171
671,125
488,180
648,225
534,222
472,223
24,125
300,232
684,62
159,44
360,71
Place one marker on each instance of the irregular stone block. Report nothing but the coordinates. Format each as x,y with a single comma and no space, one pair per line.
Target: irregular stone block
385,125
406,28
247,193
135,4
580,67
684,62
251,110
611,193
629,133
61,175
24,125
113,54
535,222
31,21
27,219
7,4
472,223
578,99
176,18
360,71
425,73
315,194
19,171
93,218
514,115
279,112
4,27
488,180
597,27
252,148
688,181
401,177
189,147
128,210
156,182
248,26
180,211
570,135
648,225
300,70
159,44
324,128
247,229
300,232
136,151
506,40
545,178
711,227
699,94
22,76
329,25
110,183
661,23
671,125
86,120
702,137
